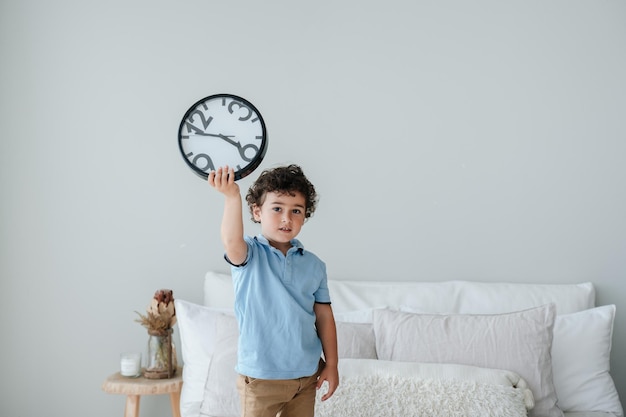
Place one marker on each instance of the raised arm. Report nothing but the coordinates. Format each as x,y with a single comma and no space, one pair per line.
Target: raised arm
223,180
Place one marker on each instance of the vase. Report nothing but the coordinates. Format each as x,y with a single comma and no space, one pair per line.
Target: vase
161,359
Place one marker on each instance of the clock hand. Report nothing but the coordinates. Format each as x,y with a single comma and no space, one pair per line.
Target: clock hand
227,138
219,135
216,135
241,149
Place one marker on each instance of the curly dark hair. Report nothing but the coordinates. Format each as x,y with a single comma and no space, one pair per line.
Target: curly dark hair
284,180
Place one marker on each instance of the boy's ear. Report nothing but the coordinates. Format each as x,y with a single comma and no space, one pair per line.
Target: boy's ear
256,213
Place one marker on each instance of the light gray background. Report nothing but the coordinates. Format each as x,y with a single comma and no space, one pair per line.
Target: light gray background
477,140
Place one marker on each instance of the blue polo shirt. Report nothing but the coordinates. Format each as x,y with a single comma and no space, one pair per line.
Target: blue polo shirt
274,298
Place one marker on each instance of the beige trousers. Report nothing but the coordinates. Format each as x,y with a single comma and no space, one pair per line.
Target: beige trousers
279,397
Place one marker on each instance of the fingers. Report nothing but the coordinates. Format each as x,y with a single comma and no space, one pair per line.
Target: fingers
332,384
221,177
320,382
329,393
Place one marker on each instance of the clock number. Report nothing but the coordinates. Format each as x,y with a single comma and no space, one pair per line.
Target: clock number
205,122
243,149
202,161
241,106
191,128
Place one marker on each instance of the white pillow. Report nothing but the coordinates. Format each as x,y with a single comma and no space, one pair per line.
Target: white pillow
460,297
359,316
198,328
581,352
220,397
356,340
519,342
218,290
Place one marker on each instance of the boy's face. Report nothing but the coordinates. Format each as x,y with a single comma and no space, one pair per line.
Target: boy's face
281,217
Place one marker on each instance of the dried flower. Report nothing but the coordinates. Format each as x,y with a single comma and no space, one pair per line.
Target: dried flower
160,314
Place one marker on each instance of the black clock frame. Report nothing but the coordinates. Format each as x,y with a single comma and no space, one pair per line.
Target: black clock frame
258,158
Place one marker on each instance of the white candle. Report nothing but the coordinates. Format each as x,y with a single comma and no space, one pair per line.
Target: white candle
130,364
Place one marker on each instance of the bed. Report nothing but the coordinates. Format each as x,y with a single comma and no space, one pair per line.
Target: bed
454,348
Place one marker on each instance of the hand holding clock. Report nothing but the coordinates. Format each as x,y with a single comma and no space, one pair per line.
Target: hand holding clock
223,180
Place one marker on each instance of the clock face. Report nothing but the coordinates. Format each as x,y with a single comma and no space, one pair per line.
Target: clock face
220,130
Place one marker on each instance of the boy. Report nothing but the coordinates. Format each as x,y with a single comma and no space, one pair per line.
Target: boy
282,302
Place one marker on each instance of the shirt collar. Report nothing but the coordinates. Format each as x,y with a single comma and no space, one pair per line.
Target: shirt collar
296,245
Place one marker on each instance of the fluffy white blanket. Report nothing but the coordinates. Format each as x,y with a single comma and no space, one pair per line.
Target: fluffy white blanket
394,396
377,388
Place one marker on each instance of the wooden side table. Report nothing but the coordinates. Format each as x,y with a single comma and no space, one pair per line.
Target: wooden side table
134,388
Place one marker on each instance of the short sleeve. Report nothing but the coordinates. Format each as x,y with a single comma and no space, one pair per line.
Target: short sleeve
322,295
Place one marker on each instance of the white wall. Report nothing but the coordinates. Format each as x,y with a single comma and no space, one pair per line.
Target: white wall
477,140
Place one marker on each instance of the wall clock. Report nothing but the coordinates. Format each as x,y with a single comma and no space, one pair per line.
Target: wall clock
222,129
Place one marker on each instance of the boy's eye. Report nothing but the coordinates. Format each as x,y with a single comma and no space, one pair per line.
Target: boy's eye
296,211
276,208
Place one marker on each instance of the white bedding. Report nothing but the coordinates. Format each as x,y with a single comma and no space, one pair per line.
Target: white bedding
395,396
580,350
392,389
